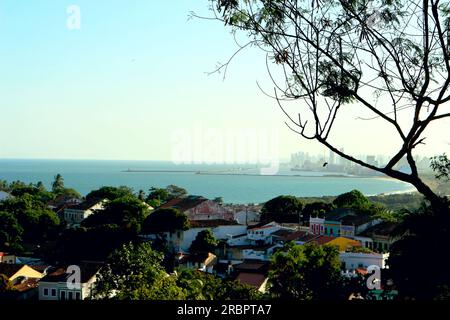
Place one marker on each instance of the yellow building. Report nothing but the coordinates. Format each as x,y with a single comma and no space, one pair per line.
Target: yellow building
344,244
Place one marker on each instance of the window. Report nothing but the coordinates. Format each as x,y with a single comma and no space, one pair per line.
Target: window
63,295
45,291
70,295
77,295
53,292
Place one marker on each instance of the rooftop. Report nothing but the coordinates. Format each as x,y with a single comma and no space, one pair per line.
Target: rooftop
320,240
200,257
27,284
10,269
211,223
339,213
382,229
356,219
253,279
85,205
59,274
184,204
252,266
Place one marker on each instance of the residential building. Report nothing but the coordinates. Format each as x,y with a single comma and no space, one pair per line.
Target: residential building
261,233
57,284
256,280
357,260
17,272
200,208
204,262
7,258
382,235
180,241
247,217
75,214
342,222
316,225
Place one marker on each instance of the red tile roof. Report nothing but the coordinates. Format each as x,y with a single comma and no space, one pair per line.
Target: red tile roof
361,271
253,279
322,240
28,284
184,204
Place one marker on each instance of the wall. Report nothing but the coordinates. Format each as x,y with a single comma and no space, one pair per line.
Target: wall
243,217
362,260
220,232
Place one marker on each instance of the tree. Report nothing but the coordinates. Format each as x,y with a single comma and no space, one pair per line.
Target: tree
198,285
423,233
141,195
218,200
234,290
176,192
58,184
318,208
29,208
165,220
282,209
205,241
69,193
202,286
134,272
4,185
441,166
157,196
353,199
94,243
307,272
127,212
10,230
388,60
110,193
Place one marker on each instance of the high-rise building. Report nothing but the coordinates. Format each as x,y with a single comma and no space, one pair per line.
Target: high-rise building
331,157
371,160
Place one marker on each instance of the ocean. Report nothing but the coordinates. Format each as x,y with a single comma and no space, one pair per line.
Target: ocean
235,183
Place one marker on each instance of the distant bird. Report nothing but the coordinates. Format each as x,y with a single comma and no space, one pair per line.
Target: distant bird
325,164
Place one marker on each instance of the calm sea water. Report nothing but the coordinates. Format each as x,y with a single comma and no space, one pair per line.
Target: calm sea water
236,184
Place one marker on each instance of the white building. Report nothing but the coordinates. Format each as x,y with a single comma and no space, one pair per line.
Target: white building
354,260
204,262
262,253
247,217
262,233
222,230
75,214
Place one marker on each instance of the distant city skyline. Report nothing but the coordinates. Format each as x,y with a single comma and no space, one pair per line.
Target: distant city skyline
119,86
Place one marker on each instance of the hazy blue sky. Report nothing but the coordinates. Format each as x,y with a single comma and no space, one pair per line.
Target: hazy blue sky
134,74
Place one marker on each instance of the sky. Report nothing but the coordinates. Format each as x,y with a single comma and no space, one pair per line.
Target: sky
133,83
